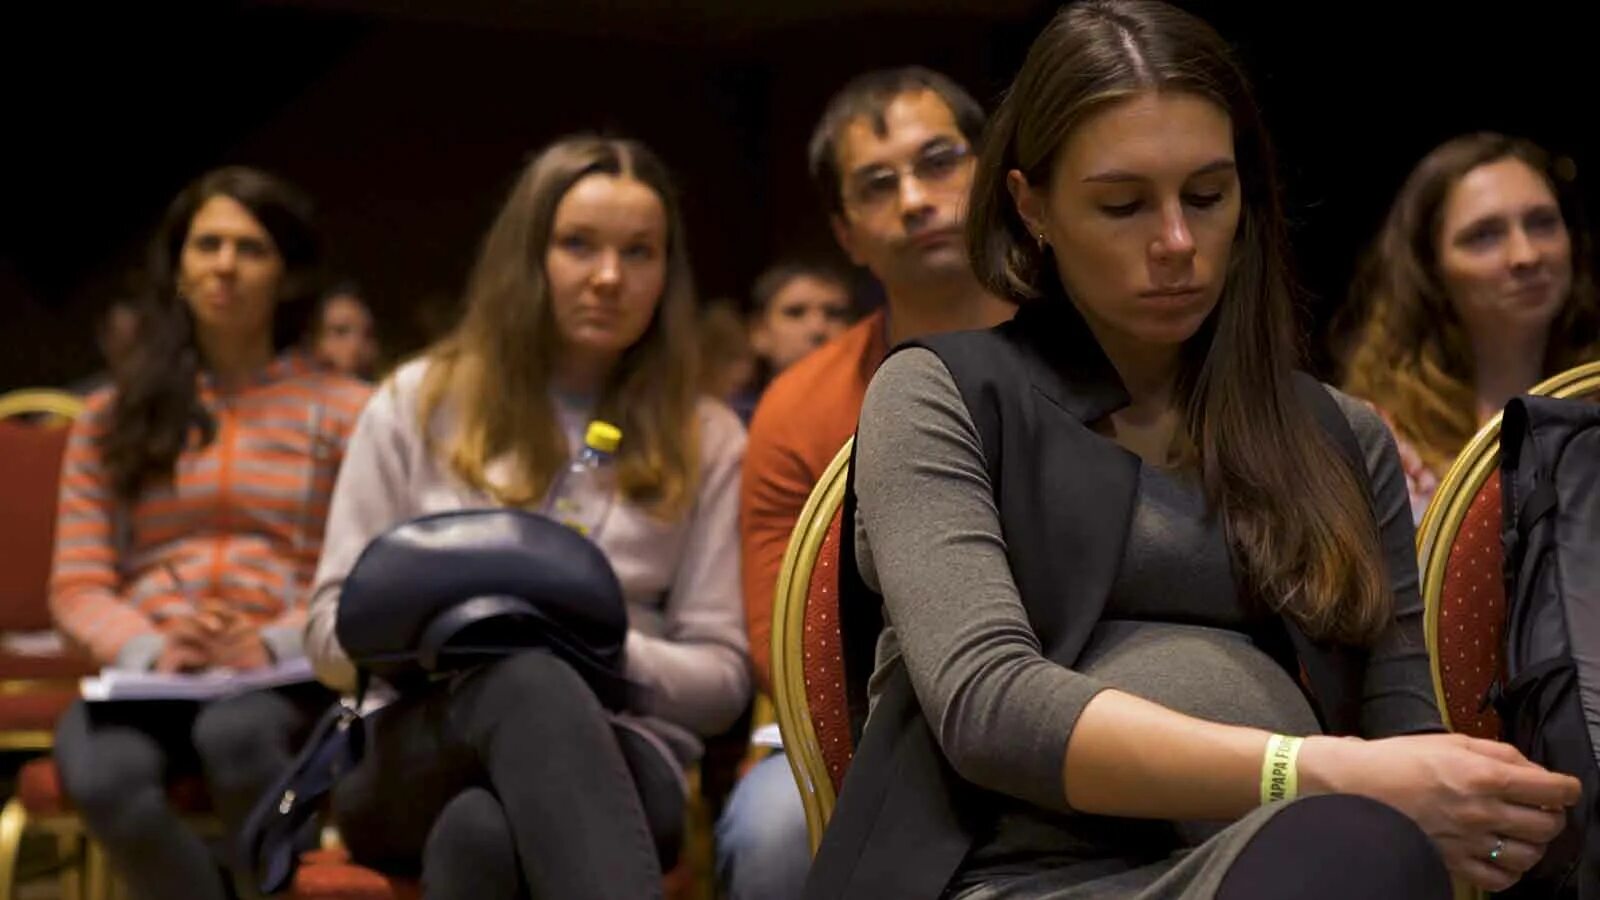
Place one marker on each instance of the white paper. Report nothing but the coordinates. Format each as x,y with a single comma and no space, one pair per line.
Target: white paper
112,684
767,736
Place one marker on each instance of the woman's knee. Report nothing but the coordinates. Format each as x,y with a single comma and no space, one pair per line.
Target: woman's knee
115,778
471,834
537,674
239,728
1344,845
103,768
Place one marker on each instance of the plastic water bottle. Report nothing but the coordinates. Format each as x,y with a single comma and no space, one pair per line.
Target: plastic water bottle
582,494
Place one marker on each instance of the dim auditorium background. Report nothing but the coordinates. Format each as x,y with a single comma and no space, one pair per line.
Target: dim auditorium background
408,120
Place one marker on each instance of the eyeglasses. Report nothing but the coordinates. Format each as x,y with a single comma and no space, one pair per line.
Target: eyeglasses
877,187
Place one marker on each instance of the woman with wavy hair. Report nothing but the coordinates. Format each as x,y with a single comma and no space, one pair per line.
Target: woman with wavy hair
513,777
1479,286
193,497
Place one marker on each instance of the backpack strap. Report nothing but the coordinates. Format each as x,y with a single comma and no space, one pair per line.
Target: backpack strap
269,838
1520,511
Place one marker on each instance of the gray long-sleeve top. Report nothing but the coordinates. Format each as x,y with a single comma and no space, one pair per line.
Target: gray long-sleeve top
929,540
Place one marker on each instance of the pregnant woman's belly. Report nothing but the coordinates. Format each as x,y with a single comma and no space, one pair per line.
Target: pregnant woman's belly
1207,673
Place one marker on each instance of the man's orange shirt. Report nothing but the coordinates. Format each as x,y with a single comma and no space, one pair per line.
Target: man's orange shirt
806,415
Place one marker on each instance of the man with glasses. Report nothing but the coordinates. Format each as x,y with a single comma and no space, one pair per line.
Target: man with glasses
893,160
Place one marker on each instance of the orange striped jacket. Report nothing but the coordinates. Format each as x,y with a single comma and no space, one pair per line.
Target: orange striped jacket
240,523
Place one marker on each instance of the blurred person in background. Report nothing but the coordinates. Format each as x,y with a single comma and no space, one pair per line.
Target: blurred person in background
1479,285
193,497
796,307
116,332
729,366
343,333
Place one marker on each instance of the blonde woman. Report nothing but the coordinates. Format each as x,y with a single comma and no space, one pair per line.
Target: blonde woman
513,777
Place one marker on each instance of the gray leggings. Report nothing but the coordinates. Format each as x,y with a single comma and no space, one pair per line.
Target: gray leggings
116,760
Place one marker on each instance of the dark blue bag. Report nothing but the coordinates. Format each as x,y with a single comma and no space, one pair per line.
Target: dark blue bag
436,595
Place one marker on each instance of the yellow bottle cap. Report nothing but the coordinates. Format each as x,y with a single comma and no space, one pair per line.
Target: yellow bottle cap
603,436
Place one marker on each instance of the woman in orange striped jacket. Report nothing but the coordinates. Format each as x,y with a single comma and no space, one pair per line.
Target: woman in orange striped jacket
193,497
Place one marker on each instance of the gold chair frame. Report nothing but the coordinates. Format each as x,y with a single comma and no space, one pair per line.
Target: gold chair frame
800,741
40,401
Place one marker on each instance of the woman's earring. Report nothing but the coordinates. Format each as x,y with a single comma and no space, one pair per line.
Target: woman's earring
1042,241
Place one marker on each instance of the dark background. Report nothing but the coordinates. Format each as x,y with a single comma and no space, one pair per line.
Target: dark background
407,121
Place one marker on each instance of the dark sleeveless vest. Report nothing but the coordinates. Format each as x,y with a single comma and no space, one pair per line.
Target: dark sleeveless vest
905,819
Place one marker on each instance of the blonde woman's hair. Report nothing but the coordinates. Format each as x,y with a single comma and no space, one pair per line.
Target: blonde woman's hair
493,372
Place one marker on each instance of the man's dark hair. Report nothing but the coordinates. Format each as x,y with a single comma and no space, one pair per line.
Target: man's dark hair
867,96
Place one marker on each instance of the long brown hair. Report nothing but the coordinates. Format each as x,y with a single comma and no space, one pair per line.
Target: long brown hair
156,411
1410,354
494,371
1298,518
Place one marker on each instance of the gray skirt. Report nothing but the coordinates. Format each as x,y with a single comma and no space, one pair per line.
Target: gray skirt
1190,874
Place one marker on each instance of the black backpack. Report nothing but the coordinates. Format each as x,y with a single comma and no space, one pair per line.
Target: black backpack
1549,699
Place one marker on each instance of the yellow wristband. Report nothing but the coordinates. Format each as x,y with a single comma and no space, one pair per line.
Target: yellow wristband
1280,781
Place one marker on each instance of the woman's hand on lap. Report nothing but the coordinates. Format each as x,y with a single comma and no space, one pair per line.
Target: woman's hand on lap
1469,795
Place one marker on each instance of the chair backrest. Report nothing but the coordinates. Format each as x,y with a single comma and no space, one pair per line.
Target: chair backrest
807,653
40,402
1461,563
29,482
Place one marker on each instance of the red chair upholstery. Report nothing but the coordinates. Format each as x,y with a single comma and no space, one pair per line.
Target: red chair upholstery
34,690
29,481
39,788
330,875
824,660
30,716
1472,610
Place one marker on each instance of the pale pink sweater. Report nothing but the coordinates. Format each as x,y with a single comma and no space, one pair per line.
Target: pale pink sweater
686,641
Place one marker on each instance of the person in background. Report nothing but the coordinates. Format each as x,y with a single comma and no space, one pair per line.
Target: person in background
343,334
892,160
1479,285
1149,615
728,364
193,496
796,307
512,777
116,334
